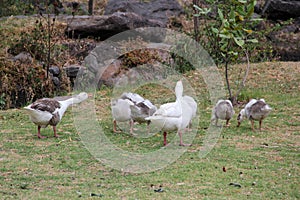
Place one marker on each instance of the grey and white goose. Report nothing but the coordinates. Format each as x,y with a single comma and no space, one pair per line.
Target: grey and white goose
140,109
222,110
121,112
49,111
254,110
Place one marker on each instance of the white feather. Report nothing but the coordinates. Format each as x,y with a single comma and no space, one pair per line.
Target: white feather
173,116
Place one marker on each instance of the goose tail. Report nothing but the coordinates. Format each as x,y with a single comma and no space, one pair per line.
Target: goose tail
28,107
266,108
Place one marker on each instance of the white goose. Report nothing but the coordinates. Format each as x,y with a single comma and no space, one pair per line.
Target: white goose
140,109
193,104
254,110
222,110
173,116
49,111
121,112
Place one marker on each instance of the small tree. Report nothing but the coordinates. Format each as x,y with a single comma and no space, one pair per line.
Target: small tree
227,33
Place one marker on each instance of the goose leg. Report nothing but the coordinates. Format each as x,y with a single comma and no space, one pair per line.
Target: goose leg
165,138
260,122
131,122
189,127
54,130
252,125
181,143
39,133
227,122
148,126
115,127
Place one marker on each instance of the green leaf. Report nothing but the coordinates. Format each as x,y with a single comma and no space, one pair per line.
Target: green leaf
197,7
256,19
226,23
240,10
221,14
243,1
250,9
233,53
223,47
202,11
253,40
227,36
239,42
232,15
215,30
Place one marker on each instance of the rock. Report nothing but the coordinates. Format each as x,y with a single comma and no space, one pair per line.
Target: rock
281,9
76,7
141,73
158,10
54,70
103,27
104,65
23,57
236,185
72,70
96,195
56,81
286,41
80,49
110,75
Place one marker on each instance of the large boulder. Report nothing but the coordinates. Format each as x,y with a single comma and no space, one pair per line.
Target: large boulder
286,41
123,15
103,27
281,9
158,10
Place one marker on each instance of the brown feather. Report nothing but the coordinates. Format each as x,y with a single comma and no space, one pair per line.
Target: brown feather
46,104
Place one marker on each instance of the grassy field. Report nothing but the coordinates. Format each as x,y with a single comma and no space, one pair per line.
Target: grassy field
259,165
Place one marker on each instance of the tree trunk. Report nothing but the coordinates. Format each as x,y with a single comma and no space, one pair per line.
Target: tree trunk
242,85
196,21
91,7
227,80
48,44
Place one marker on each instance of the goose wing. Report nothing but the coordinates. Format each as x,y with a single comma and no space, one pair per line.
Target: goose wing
46,104
135,98
169,110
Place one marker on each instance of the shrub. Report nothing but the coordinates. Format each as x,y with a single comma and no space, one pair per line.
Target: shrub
21,83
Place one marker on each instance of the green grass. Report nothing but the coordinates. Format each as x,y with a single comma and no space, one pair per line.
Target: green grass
265,164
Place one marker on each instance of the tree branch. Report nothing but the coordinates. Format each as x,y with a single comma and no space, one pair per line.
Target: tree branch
242,85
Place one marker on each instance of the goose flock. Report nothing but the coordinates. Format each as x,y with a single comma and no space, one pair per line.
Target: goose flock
133,108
